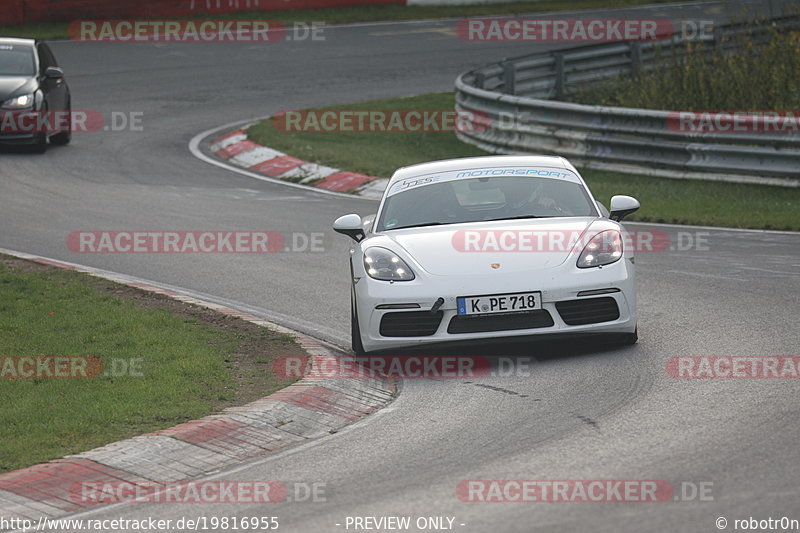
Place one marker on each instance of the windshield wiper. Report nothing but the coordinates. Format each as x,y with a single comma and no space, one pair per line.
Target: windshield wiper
418,225
516,218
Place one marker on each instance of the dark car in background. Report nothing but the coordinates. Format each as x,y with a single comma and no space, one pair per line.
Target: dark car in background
34,97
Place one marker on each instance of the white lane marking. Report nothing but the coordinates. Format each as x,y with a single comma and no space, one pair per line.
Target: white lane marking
767,270
715,228
697,274
194,148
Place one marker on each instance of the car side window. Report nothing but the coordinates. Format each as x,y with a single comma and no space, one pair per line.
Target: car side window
46,59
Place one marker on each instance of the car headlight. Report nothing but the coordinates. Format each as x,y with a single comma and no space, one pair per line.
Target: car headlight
384,265
603,249
22,101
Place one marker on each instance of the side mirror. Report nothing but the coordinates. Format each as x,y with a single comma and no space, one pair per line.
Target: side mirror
351,226
53,73
622,206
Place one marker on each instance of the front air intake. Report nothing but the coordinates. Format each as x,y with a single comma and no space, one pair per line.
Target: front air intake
410,324
588,311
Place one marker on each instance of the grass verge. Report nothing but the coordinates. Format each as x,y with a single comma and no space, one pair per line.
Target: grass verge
753,78
663,200
365,13
165,362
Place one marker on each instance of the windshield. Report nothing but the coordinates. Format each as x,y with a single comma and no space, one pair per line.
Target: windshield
484,199
17,60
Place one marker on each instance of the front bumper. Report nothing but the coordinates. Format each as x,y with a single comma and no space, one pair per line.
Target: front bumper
383,327
18,138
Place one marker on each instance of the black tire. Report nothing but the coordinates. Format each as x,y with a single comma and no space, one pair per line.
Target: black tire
40,142
355,331
63,138
39,146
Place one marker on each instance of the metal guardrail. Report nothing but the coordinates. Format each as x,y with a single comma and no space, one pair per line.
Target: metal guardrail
512,114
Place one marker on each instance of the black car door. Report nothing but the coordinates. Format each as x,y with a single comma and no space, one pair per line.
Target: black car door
55,89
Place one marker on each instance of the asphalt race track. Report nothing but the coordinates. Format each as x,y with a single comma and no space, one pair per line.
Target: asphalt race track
578,413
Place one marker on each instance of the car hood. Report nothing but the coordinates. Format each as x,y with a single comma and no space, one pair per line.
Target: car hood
15,85
503,246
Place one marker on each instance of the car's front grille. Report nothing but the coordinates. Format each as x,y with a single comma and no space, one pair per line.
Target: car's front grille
588,311
504,322
410,324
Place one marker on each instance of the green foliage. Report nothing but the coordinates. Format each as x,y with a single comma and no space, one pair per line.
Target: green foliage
753,78
158,369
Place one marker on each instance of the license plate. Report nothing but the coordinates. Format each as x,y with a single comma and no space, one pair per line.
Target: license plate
515,302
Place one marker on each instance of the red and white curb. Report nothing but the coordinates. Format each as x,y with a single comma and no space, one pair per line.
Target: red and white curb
236,149
308,409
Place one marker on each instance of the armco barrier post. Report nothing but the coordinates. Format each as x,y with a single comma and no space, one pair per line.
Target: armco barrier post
480,80
560,82
509,77
636,58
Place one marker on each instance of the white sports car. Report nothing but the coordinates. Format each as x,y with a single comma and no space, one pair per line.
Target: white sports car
489,247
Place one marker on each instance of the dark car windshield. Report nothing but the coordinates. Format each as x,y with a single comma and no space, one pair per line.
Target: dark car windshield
17,60
484,199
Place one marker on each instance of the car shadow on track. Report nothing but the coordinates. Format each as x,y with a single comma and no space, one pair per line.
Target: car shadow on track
23,149
15,149
536,348
486,359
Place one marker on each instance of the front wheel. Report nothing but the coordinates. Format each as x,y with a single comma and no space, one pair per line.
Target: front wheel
40,142
355,331
65,136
